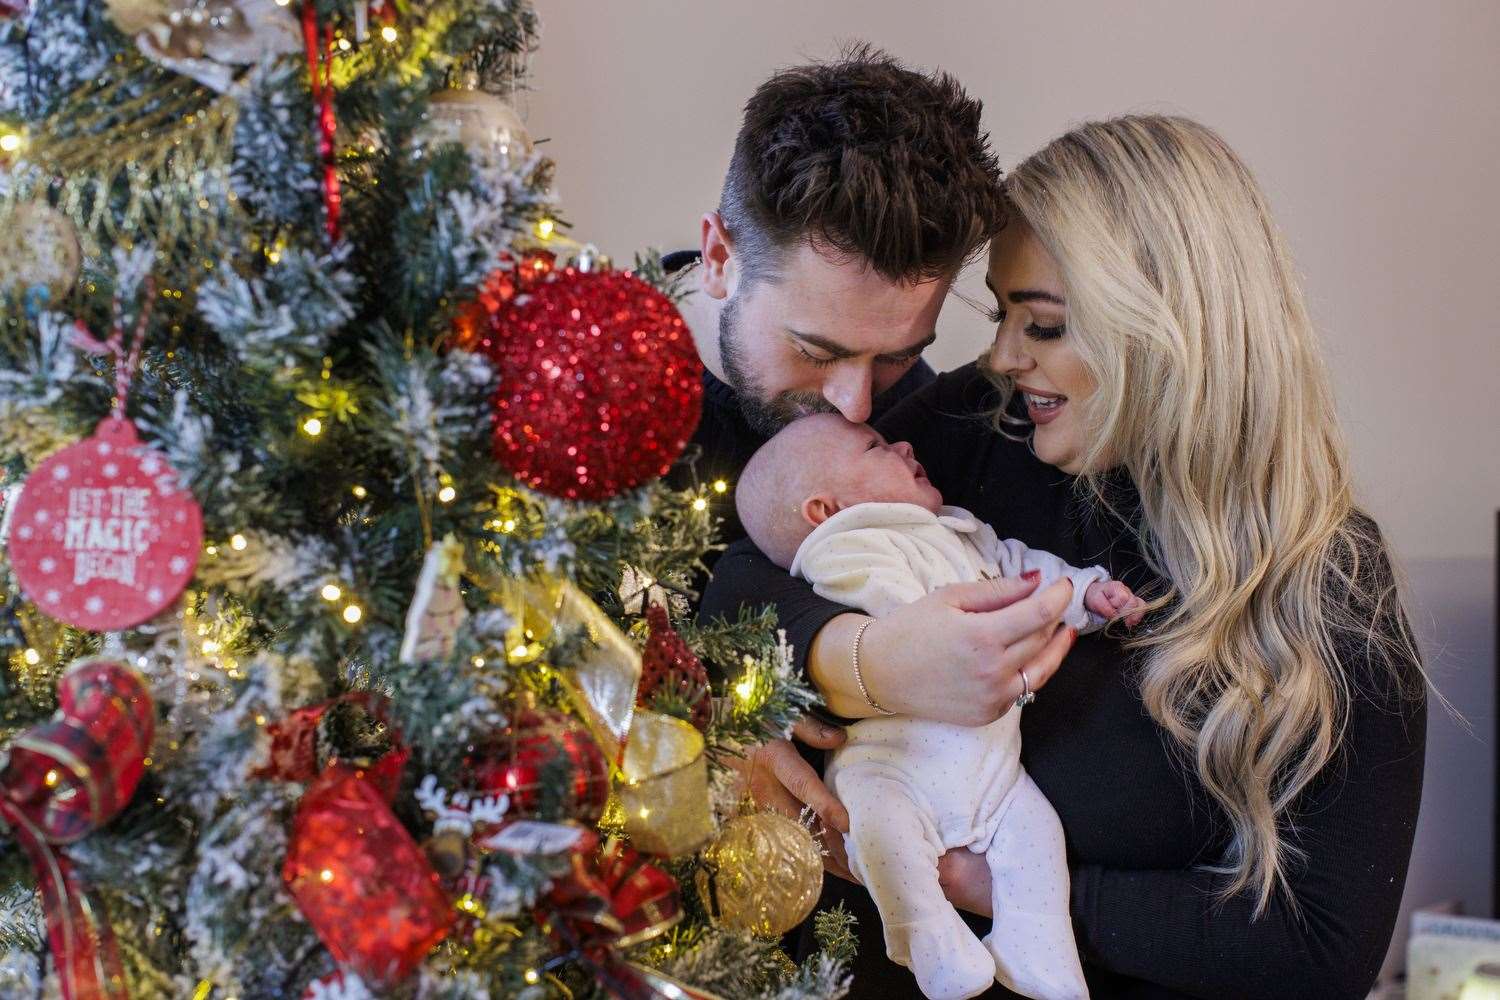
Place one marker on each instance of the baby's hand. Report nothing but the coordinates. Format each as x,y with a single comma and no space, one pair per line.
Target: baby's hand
1108,598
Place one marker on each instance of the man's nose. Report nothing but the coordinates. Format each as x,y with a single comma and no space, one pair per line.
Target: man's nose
848,389
904,449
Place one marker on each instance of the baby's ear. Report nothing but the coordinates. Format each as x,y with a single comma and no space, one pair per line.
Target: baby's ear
818,508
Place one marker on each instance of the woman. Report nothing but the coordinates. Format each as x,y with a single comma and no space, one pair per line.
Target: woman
1238,779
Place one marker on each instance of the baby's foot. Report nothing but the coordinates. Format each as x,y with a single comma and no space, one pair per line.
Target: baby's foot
950,963
1035,955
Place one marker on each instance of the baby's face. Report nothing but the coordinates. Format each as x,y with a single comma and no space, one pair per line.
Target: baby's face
864,468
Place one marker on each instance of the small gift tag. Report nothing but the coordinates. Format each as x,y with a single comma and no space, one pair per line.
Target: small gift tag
531,837
103,535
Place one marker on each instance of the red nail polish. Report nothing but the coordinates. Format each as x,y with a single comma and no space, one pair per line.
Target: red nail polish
1032,575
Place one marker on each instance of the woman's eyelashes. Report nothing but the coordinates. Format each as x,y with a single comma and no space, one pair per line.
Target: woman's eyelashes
997,316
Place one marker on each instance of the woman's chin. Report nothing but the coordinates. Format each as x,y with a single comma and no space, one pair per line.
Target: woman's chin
1057,450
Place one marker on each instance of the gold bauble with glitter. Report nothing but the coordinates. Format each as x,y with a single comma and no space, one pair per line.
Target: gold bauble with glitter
38,249
482,123
763,874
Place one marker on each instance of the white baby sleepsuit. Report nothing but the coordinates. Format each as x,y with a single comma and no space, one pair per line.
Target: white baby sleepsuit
915,788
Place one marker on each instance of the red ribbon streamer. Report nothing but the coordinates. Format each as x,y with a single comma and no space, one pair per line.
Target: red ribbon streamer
126,360
63,780
318,40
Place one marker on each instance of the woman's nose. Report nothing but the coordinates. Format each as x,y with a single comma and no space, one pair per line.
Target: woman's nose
1008,354
848,389
903,449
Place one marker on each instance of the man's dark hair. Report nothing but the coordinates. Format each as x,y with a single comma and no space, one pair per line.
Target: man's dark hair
865,158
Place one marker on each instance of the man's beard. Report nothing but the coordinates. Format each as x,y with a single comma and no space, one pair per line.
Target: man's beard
766,414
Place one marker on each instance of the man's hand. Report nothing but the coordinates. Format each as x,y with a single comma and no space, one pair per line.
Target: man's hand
957,654
780,780
1109,598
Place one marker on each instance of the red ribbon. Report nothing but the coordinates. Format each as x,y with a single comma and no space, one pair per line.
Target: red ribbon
612,899
61,781
319,73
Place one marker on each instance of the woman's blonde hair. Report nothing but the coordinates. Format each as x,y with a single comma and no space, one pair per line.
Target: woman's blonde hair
1183,304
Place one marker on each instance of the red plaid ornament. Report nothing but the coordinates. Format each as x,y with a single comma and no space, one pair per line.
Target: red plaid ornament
518,763
61,781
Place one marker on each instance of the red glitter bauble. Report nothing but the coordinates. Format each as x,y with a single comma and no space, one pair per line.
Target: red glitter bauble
667,663
600,386
527,757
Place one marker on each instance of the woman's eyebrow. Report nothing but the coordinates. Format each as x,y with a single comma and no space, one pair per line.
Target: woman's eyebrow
1024,295
1034,295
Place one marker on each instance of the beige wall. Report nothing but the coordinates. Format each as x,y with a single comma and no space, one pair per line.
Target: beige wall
1375,126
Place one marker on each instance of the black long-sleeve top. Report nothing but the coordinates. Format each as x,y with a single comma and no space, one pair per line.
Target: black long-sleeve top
1138,824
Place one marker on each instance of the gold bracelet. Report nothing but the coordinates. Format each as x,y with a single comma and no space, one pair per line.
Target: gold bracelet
859,678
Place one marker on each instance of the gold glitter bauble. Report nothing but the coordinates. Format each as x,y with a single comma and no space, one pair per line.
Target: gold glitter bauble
38,247
763,874
482,123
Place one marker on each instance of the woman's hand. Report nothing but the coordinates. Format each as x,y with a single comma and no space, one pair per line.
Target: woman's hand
957,654
965,878
780,780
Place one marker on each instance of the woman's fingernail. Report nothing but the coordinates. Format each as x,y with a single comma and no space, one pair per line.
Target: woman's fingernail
1032,575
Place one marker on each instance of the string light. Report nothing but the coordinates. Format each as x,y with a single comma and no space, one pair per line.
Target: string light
446,494
312,427
31,656
388,33
700,504
238,542
720,486
344,45
532,977
545,228
212,550
326,875
10,142
352,613
360,492
331,592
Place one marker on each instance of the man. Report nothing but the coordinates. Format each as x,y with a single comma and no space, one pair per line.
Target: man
856,190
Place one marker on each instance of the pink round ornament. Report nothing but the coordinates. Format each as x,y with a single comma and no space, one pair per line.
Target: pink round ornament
103,535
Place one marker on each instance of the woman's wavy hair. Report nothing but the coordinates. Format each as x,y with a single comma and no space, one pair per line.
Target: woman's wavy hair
1183,303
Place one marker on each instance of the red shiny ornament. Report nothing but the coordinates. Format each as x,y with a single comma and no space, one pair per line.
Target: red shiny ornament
521,762
103,536
600,386
667,663
360,878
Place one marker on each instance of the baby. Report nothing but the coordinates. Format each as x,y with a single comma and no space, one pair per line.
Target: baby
856,517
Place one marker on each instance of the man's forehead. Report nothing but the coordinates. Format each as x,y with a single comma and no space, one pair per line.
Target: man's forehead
843,298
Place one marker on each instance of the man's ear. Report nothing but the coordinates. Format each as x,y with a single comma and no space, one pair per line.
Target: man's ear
819,507
718,257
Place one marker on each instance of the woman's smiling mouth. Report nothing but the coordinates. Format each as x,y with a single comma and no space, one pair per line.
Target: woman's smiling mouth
1042,407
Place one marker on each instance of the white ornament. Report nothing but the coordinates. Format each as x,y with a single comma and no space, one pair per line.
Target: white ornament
437,608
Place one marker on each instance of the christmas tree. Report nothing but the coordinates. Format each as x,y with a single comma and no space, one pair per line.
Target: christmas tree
334,537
